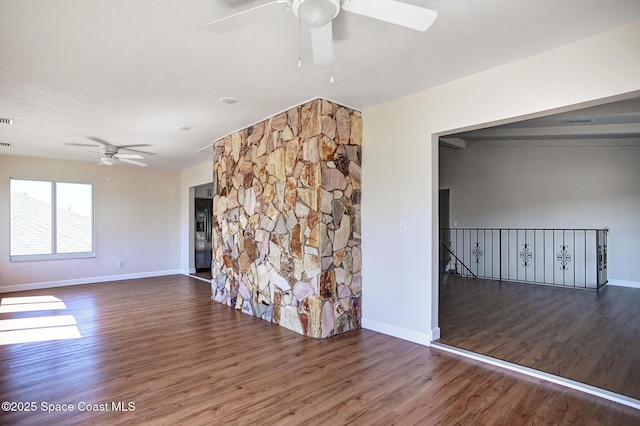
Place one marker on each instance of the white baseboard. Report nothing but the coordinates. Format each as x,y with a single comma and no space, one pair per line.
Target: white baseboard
624,283
435,333
400,333
87,280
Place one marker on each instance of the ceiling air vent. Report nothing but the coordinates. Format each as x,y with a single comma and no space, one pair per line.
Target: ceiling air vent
5,145
6,121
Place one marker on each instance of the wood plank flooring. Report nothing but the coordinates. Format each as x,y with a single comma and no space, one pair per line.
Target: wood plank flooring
182,359
581,335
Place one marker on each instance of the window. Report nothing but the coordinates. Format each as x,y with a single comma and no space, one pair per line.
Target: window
51,220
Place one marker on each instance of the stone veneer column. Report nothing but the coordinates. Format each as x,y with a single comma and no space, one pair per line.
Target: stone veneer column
287,219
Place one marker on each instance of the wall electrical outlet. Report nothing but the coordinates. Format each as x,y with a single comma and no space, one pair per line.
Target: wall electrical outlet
121,264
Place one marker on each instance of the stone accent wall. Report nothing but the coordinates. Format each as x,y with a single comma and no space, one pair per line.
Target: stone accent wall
287,219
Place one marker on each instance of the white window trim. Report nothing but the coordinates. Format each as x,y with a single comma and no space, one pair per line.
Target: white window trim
54,255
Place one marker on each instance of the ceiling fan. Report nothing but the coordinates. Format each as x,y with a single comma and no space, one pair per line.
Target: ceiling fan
110,154
319,15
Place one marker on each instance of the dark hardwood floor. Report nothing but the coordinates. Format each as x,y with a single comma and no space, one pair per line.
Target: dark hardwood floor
182,359
581,335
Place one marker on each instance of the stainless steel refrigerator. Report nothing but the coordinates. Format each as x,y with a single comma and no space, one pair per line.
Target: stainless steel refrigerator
202,243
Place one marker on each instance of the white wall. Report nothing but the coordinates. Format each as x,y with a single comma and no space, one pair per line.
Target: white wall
137,218
400,173
551,187
190,178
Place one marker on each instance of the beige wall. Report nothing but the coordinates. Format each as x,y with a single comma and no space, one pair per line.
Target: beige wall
137,219
400,158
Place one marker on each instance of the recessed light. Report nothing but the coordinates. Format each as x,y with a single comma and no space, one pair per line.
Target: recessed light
183,127
228,100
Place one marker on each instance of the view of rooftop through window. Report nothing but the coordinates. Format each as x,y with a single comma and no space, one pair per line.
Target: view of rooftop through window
50,219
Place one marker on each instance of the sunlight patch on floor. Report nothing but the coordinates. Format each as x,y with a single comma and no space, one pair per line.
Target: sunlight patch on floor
39,328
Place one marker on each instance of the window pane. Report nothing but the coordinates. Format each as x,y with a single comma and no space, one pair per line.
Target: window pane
74,218
30,217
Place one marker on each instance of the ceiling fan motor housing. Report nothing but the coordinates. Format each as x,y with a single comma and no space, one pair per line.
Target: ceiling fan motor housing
316,13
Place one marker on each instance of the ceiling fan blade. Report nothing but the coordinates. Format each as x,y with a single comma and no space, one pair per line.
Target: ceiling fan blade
134,162
126,148
129,156
99,141
219,25
92,145
322,44
395,12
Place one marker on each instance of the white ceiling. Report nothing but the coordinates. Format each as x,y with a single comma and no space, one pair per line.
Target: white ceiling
614,123
130,71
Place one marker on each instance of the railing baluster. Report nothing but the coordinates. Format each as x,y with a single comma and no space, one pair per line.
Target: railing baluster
533,251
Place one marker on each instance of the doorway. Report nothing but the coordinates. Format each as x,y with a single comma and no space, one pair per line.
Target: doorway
202,231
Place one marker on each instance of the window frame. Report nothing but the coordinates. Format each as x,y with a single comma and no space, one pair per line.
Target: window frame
54,226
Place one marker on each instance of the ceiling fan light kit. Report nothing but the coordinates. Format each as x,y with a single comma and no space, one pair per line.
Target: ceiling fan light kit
110,154
316,13
108,161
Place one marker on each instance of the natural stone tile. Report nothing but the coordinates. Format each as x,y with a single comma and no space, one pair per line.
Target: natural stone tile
333,179
236,144
329,127
311,175
276,164
327,108
326,201
289,319
355,173
301,210
280,194
311,265
279,281
328,148
356,254
309,197
353,153
314,236
343,125
312,306
293,116
292,220
291,156
355,313
342,324
279,121
328,285
267,224
343,291
274,255
328,319
296,242
290,192
356,283
310,119
326,246
287,133
311,150
356,130
342,234
288,211
249,201
302,290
